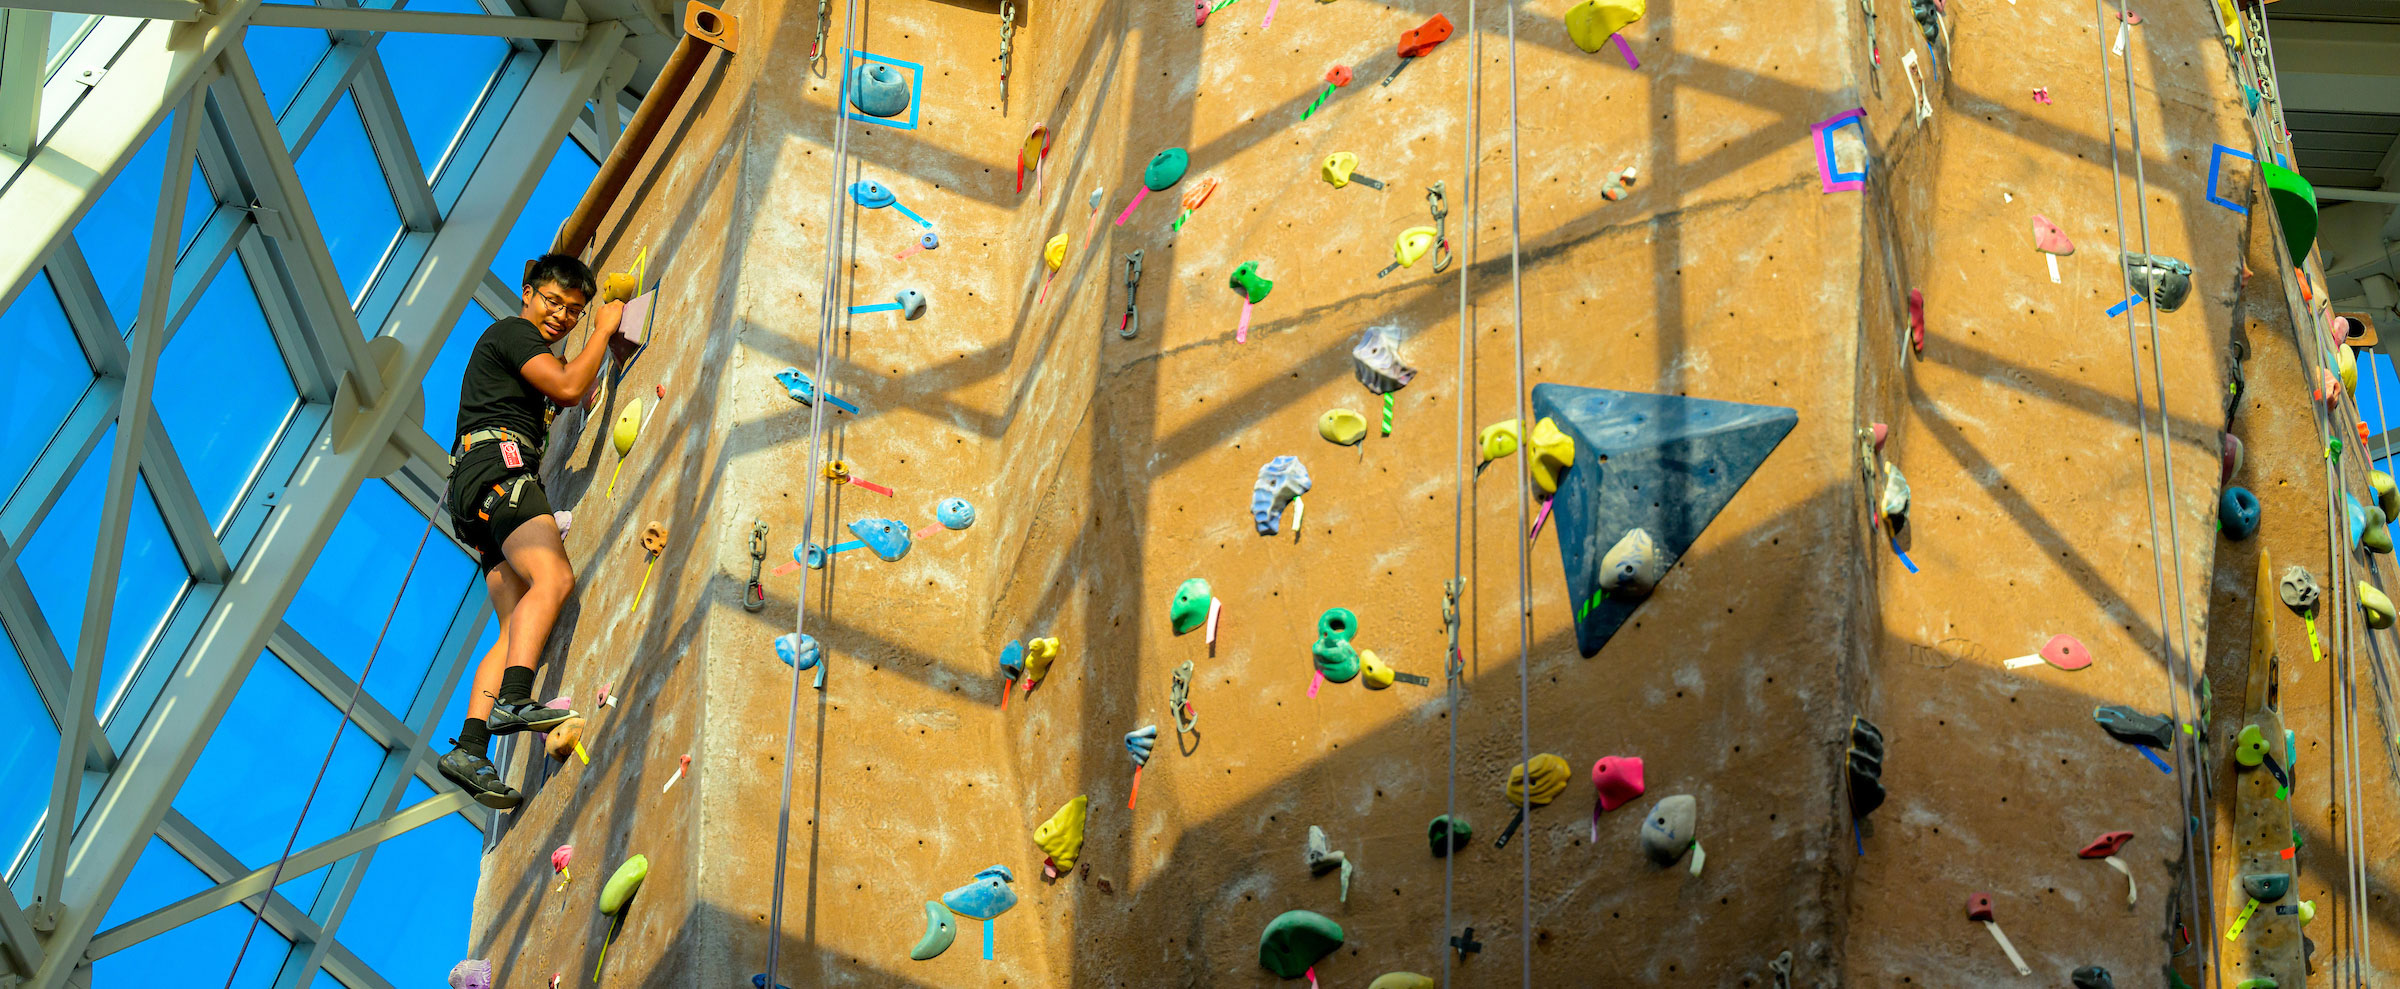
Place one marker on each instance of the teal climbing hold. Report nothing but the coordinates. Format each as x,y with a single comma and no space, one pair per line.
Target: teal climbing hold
1335,659
1662,463
1295,941
1166,168
1337,623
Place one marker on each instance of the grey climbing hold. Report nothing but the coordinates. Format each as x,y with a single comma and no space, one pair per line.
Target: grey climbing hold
1894,503
878,90
1633,566
2267,887
2299,588
1375,359
912,303
2165,281
1668,829
1321,859
2092,977
2135,728
1280,481
2237,512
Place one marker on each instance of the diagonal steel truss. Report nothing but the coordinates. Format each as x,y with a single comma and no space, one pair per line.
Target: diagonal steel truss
67,131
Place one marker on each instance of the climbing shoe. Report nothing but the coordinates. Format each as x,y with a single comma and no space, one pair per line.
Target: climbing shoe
474,774
507,719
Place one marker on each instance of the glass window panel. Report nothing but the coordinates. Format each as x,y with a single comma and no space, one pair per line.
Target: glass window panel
409,919
562,186
2378,391
58,564
436,104
341,606
454,717
28,752
222,431
283,57
49,375
161,877
115,235
345,188
200,953
449,369
63,29
247,787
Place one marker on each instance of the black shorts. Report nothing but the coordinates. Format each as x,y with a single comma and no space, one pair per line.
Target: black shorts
487,506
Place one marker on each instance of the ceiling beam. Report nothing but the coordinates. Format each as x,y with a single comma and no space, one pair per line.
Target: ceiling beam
417,22
185,11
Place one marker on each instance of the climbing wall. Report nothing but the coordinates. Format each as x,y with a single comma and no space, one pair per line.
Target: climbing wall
1746,261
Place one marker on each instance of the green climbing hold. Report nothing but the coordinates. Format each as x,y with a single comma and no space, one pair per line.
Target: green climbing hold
1246,281
2387,494
624,884
1337,623
2296,205
1335,659
1167,168
1294,941
2250,747
1190,610
1448,834
2376,605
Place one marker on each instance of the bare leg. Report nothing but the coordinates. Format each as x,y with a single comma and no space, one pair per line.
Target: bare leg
539,556
506,590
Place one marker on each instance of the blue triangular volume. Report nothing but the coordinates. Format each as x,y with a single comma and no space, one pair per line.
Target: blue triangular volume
1664,463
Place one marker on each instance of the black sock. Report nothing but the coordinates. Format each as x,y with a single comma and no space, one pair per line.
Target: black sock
476,737
516,685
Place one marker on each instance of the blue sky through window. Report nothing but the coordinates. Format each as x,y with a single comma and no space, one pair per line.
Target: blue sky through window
436,104
346,191
50,375
58,565
28,752
562,186
226,392
115,235
341,606
409,919
282,57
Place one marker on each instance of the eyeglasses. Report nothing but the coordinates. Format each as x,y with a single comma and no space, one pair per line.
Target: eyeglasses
561,304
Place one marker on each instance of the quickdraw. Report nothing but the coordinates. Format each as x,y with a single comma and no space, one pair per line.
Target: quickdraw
1435,201
754,598
1132,323
1179,701
1008,30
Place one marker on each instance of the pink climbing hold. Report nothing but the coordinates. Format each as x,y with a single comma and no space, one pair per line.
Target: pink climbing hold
1916,321
1618,778
2066,652
2048,239
1882,432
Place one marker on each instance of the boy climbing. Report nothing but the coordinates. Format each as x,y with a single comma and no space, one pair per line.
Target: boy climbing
498,508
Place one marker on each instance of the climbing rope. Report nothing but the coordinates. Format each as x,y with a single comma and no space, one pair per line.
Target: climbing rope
2197,867
1516,288
356,689
1454,664
827,317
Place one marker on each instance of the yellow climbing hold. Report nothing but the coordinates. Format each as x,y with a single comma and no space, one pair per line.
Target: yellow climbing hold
1402,980
1062,834
2232,23
1591,22
1054,253
1553,453
629,425
1498,439
1342,426
1549,780
1038,655
1375,672
1412,244
2347,363
1337,168
2377,606
618,287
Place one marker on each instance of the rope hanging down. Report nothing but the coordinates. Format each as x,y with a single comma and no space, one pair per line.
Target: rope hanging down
1516,288
360,687
1454,664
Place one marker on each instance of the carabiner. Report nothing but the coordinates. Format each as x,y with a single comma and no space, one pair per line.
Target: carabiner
754,597
1435,202
1132,323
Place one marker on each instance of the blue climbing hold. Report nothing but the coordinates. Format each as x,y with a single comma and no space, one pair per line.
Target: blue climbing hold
1280,481
1663,463
797,649
759,981
2237,512
804,391
878,90
886,537
871,194
986,896
2350,510
954,513
1012,660
911,303
929,241
809,555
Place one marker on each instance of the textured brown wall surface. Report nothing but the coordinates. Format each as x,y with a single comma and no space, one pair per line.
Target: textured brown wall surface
1106,471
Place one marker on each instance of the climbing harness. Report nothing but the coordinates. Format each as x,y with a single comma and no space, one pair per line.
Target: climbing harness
1435,203
754,597
357,690
1132,323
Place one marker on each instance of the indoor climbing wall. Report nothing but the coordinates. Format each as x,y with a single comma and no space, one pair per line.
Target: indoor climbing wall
1820,313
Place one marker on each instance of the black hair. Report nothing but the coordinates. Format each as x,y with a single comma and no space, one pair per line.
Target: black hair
562,270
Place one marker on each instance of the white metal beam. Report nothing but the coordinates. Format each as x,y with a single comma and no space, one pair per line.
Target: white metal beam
45,194
116,509
387,133
417,22
137,798
157,10
179,506
336,685
24,55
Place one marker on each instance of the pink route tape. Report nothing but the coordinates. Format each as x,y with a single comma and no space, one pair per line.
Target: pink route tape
1269,21
1138,195
1314,684
1625,50
1241,331
1539,519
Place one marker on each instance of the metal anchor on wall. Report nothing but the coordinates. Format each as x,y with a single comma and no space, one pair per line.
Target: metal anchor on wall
1008,30
1132,323
1435,202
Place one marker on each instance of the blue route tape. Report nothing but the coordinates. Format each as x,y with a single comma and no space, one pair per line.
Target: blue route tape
895,307
912,214
2113,311
1903,554
2155,760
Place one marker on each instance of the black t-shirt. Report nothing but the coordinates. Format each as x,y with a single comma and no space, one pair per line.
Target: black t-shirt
494,394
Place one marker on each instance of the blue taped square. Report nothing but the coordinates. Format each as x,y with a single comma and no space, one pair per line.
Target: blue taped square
916,89
2216,161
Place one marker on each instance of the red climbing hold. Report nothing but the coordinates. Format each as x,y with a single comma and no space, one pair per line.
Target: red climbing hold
2105,845
1417,41
1916,319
